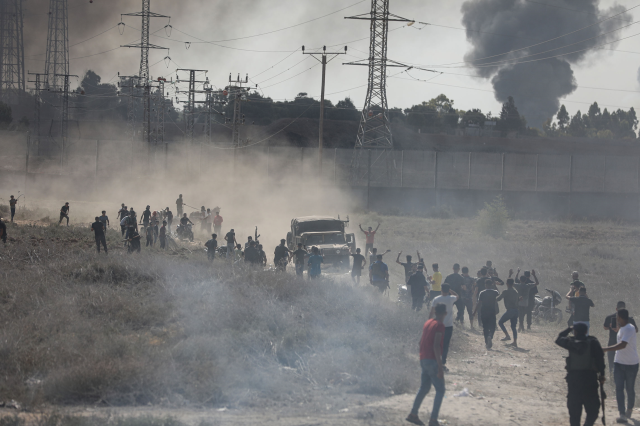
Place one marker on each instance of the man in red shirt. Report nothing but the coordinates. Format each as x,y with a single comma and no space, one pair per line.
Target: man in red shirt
370,234
217,223
432,369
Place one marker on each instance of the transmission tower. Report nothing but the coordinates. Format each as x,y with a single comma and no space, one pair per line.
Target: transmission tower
130,82
57,57
374,131
64,110
12,76
237,91
190,109
143,74
160,102
214,97
36,108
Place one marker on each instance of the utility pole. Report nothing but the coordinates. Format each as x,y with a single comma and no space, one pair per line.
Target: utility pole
159,110
374,130
12,76
36,108
143,74
323,60
57,55
130,82
190,110
237,90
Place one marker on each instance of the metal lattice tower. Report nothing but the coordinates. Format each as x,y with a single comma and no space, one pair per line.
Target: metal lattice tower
237,92
36,108
159,110
189,111
374,131
57,56
12,76
143,74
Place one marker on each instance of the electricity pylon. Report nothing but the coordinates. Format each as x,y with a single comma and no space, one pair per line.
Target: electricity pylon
12,76
190,109
36,108
374,131
237,91
57,56
64,111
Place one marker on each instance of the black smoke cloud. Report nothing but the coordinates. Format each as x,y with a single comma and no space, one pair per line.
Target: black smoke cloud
537,86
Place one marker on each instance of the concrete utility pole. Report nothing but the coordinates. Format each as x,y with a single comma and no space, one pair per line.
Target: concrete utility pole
237,90
323,60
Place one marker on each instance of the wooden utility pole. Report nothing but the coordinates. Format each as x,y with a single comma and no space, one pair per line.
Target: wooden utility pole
323,60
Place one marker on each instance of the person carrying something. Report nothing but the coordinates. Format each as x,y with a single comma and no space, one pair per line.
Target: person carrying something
408,266
146,217
248,243
491,271
314,262
625,364
418,284
124,220
487,306
448,298
105,219
432,367
611,324
263,255
179,204
230,238
163,235
3,231
436,282
134,240
574,288
64,213
510,297
359,263
12,206
281,256
370,236
581,306
298,256
149,233
379,273
99,229
456,282
523,290
467,294
585,370
251,254
168,215
217,223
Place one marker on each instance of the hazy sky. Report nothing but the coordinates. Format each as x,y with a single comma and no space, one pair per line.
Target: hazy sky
267,58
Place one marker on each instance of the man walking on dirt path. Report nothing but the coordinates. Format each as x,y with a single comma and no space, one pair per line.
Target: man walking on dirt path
418,284
574,288
581,306
467,295
456,282
315,261
99,229
217,223
379,273
432,367
585,371
179,203
359,262
370,236
436,282
230,238
281,256
611,324
409,267
487,306
64,213
510,297
3,231
448,298
523,289
12,206
626,363
299,257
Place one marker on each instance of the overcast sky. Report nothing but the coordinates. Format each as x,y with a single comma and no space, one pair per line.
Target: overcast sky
268,57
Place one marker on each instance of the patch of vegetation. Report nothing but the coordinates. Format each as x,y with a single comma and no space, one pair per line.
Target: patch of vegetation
494,219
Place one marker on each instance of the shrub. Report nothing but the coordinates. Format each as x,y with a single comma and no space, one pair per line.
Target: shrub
494,218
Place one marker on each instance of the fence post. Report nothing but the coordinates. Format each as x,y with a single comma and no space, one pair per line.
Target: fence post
402,169
537,157
97,155
26,169
301,161
502,175
469,174
335,155
435,179
570,181
604,175
368,177
268,159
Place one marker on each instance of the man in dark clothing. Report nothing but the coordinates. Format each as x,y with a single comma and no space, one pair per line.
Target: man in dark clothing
487,307
146,217
251,254
124,219
298,257
358,264
133,222
12,205
532,299
230,238
581,306
179,203
168,215
149,233
105,219
418,283
64,213
456,282
408,267
611,324
134,240
511,297
281,256
523,289
481,285
163,235
263,255
122,212
574,288
99,229
467,293
585,368
3,231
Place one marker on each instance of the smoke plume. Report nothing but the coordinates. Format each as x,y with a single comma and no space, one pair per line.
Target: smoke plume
521,28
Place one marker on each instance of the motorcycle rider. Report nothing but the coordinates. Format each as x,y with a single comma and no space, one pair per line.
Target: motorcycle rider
585,368
184,220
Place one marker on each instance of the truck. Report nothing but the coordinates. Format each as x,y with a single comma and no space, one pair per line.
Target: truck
326,233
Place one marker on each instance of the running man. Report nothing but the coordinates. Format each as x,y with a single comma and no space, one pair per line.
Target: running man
448,298
510,297
370,235
299,256
64,213
456,282
105,219
467,294
487,307
359,263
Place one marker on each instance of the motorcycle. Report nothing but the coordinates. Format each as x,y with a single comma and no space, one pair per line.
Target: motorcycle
547,308
184,232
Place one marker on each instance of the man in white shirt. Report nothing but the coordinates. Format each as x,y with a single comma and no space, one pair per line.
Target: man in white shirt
625,365
447,298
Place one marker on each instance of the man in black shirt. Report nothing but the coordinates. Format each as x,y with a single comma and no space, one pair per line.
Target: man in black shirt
179,203
211,246
523,289
487,308
251,254
230,238
581,305
358,264
12,205
467,293
298,257
64,213
99,229
611,324
585,368
263,255
134,240
574,287
481,284
146,216
3,231
408,266
281,256
456,282
511,297
418,283
168,215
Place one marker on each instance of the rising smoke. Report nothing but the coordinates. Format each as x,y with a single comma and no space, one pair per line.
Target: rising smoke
537,84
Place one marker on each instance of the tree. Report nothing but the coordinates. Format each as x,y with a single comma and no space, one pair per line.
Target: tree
510,120
563,118
473,116
5,115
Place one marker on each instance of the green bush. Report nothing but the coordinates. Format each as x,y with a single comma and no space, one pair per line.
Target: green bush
494,218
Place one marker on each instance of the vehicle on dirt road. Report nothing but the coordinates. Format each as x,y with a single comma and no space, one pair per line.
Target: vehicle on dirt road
326,233
547,308
185,232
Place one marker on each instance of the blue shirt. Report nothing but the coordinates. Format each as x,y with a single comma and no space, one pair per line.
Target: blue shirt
314,264
382,268
104,220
